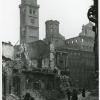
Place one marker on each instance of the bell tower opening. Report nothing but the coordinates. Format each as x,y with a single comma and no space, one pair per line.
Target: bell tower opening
29,21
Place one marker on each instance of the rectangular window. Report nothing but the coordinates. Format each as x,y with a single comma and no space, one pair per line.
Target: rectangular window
36,85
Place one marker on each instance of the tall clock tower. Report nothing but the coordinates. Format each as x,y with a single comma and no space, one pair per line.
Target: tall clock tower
29,21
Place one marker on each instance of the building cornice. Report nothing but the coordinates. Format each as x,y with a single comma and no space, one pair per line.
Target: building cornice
30,5
34,27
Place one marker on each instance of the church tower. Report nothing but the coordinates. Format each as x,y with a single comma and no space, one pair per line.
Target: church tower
52,33
29,21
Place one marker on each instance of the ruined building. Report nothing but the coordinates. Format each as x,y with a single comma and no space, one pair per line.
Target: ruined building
46,67
32,69
79,56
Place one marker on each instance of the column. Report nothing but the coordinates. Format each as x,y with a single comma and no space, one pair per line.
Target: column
22,85
7,85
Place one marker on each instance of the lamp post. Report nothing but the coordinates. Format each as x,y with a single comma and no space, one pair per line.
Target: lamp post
93,17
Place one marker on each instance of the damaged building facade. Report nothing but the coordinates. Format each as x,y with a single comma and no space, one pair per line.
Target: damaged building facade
31,73
39,67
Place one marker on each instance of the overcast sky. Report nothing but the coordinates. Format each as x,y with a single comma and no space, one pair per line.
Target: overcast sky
71,14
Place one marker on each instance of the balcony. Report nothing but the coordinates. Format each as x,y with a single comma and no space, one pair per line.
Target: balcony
42,71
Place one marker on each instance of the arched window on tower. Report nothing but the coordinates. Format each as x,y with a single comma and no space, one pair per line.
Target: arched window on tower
30,11
33,11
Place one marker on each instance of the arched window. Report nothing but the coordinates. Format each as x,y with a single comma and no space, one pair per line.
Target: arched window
82,40
30,10
33,11
76,41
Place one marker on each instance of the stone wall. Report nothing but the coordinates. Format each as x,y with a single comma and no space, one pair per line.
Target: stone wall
81,65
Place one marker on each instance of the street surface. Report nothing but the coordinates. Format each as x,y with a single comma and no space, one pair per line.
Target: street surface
87,97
